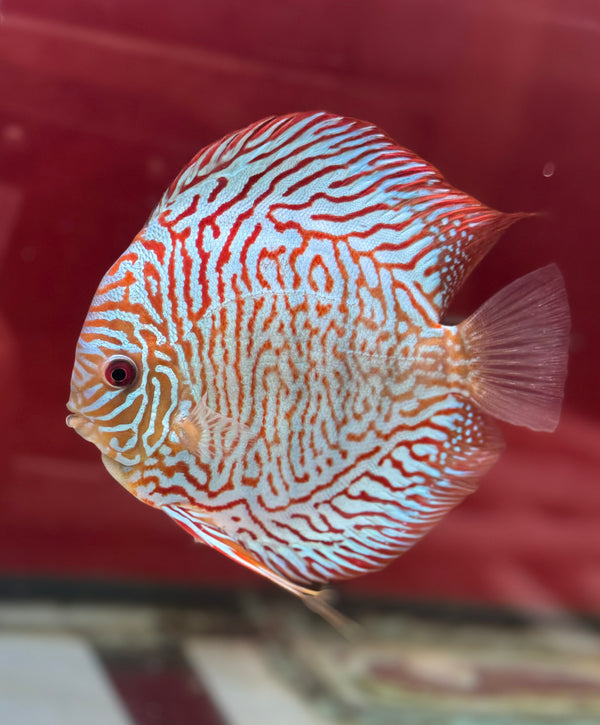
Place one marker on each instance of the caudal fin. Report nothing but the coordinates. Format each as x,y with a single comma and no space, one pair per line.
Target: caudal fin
517,345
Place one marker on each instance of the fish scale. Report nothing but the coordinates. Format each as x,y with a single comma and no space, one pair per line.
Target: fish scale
292,398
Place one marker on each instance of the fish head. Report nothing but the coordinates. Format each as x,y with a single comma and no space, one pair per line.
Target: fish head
105,388
124,381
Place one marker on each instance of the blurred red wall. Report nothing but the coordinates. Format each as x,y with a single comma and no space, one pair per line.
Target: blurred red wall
102,102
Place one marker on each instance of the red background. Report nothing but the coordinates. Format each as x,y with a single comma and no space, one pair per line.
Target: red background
102,102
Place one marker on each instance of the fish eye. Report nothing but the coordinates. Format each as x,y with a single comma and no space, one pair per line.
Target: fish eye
120,372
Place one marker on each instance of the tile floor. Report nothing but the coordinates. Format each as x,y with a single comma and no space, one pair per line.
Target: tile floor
116,665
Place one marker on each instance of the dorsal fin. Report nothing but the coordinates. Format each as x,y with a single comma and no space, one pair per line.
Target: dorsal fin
465,236
237,151
340,178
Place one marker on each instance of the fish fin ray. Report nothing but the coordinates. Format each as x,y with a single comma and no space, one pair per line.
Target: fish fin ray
517,347
319,601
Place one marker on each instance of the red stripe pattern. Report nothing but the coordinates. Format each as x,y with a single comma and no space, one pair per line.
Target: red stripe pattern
298,405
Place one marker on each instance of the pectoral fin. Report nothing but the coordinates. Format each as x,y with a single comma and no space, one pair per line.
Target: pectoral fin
204,432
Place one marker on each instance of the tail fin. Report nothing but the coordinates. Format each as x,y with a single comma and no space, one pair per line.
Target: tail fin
517,345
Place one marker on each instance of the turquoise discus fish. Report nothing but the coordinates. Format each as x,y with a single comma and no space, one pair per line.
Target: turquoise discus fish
266,364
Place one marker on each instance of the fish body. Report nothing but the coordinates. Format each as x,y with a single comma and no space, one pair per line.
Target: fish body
266,362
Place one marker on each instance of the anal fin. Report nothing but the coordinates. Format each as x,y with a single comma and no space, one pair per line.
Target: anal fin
395,503
199,525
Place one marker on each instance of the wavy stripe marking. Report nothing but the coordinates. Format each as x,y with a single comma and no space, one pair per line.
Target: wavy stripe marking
294,274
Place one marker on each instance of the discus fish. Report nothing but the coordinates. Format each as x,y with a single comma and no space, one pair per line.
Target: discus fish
266,362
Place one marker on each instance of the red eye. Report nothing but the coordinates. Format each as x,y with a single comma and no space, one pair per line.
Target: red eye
120,372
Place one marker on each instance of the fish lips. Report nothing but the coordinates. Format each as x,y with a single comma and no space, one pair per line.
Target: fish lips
118,466
80,424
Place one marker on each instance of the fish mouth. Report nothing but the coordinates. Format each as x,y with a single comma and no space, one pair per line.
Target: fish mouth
85,427
117,465
76,420
79,423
